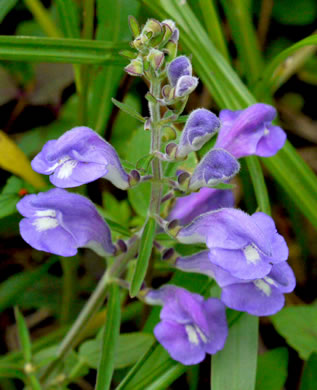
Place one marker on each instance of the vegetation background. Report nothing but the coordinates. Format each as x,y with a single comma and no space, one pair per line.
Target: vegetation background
243,51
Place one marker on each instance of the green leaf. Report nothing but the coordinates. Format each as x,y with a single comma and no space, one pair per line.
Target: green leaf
234,367
71,51
293,12
109,339
272,369
112,26
68,13
144,162
309,376
6,7
131,346
128,110
145,250
139,197
298,325
10,371
24,336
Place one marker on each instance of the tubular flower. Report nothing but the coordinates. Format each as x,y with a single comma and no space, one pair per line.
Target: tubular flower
250,131
244,245
60,222
190,326
80,156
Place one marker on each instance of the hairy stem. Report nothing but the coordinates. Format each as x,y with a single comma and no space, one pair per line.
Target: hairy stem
157,187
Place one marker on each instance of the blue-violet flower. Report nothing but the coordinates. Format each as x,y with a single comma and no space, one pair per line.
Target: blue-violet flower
80,156
59,222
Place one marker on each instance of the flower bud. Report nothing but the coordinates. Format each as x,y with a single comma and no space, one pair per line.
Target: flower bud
200,127
216,167
179,67
156,58
185,86
135,68
169,134
170,150
152,28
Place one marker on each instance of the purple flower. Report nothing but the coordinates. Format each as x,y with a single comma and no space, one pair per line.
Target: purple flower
250,131
179,67
200,127
206,199
185,85
217,166
260,297
59,222
244,245
80,156
190,326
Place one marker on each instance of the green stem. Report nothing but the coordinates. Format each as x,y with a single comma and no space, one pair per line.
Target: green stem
94,303
69,271
157,187
87,33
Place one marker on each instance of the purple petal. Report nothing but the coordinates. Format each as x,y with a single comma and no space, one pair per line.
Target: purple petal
283,276
80,156
215,312
179,67
207,199
238,264
216,167
185,85
260,300
200,127
174,339
60,222
249,131
278,244
197,263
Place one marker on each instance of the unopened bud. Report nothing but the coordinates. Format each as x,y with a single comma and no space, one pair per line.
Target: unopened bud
167,92
147,124
173,228
179,67
171,51
153,27
135,68
169,255
183,180
156,58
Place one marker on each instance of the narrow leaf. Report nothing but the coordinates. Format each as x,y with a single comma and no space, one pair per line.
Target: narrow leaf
272,369
128,110
144,255
110,339
234,367
5,8
144,162
60,50
24,336
309,377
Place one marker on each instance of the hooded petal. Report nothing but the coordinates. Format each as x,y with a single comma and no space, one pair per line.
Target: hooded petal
60,222
249,131
216,167
80,156
185,85
179,67
206,199
200,127
198,263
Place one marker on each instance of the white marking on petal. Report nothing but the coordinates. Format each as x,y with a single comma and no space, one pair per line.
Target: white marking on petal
251,254
66,169
201,334
59,162
264,287
266,131
45,223
46,213
270,280
192,334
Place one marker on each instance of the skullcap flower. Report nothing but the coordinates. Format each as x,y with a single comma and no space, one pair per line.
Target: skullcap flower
80,156
190,326
179,67
60,222
200,127
250,131
244,245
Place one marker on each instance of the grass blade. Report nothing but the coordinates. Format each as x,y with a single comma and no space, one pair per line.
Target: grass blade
110,339
145,250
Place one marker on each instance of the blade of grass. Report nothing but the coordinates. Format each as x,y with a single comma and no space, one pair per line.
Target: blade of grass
110,339
6,7
60,50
